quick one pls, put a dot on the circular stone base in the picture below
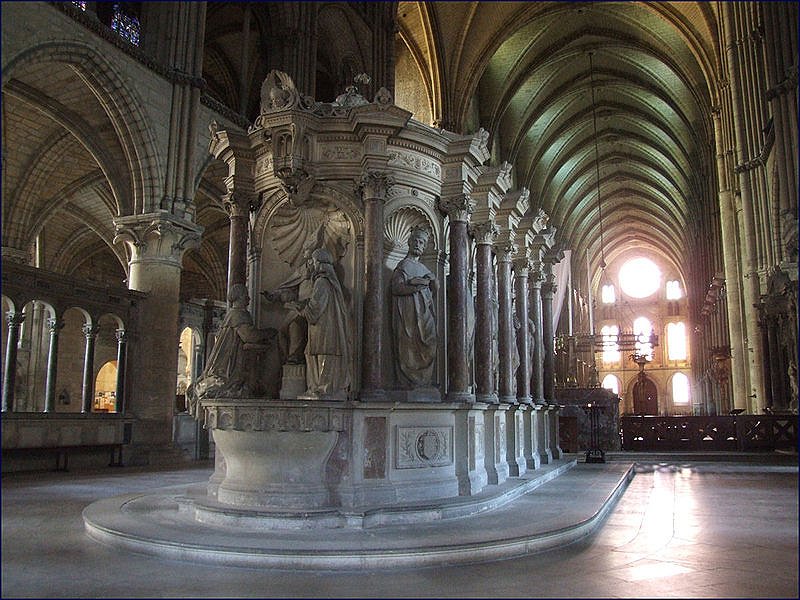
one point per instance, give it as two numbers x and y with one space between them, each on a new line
517 517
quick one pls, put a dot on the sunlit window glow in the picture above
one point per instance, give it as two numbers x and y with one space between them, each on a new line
680 389
609 295
674 291
676 341
610 382
639 277
642 330
610 346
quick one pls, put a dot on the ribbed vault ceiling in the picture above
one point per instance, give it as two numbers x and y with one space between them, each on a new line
527 68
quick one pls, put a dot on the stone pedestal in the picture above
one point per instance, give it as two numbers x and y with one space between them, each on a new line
470 466
532 458
495 443
515 436
293 382
542 435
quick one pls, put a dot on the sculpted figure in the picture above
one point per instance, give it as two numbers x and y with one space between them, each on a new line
327 350
413 315
297 287
225 374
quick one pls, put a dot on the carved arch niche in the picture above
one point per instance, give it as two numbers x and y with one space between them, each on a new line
403 212
283 230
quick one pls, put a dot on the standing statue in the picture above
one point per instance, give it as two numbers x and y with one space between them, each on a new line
327 349
413 315
297 287
225 374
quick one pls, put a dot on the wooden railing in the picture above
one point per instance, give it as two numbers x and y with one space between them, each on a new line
740 432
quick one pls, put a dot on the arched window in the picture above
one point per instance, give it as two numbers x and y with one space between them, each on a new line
610 345
680 389
676 341
105 388
642 330
609 294
674 291
611 382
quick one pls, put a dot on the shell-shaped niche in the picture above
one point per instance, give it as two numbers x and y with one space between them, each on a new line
292 229
397 228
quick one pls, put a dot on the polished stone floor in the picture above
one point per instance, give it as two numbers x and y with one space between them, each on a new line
682 529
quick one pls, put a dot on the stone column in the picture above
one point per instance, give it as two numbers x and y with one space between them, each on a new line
122 353
156 243
521 267
485 234
505 326
535 284
374 185
53 326
549 361
237 205
458 209
87 395
14 321
554 443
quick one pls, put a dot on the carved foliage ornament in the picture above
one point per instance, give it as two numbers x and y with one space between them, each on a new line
375 184
415 162
484 233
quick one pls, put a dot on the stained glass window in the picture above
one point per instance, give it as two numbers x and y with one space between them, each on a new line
680 389
125 25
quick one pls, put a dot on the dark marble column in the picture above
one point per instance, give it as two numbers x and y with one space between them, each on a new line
485 234
14 321
549 362
458 209
122 355
373 185
521 267
87 395
537 379
53 326
505 333
238 207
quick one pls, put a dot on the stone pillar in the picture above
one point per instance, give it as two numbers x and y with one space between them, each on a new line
122 353
14 321
485 234
374 185
156 243
237 205
521 268
535 283
469 434
87 395
549 360
458 209
53 326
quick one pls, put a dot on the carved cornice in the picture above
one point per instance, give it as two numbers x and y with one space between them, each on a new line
485 232
415 163
253 415
374 185
457 208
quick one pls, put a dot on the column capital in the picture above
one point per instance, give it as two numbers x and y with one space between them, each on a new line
522 265
90 330
457 208
374 185
54 325
121 335
157 237
505 251
485 233
240 204
15 319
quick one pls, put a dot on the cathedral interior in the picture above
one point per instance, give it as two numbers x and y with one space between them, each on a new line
600 200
